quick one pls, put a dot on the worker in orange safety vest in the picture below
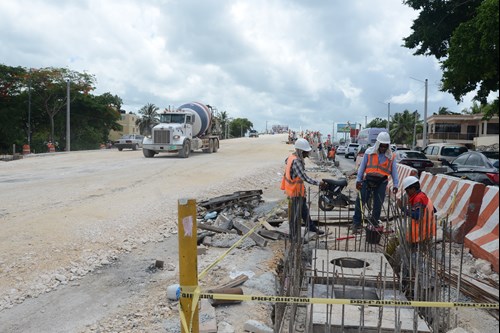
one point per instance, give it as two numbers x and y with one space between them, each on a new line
378 164
421 211
293 182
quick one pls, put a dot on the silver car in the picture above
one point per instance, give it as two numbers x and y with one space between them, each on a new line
130 141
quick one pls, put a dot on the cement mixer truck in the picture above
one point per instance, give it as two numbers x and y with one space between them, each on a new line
192 126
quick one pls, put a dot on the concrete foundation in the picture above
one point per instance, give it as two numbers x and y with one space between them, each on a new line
357 275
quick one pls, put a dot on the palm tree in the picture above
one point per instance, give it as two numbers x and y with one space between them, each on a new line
402 126
223 120
150 118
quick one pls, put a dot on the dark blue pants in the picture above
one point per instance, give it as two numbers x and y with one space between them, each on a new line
378 200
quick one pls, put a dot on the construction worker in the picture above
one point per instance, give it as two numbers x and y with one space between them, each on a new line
293 182
331 154
377 166
421 211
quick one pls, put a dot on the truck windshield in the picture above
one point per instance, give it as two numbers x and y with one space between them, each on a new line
177 118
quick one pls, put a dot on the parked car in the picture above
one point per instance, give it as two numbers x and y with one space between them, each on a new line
475 166
341 150
438 152
493 156
413 158
352 148
253 134
130 141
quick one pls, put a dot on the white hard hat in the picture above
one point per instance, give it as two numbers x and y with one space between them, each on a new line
409 181
383 137
302 144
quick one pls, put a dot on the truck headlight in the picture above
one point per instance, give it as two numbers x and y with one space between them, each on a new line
177 137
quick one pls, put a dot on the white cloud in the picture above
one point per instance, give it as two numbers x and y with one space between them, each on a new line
303 64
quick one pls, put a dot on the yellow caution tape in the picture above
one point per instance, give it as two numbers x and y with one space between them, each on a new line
340 301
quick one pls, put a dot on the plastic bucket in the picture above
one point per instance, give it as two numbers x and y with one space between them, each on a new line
174 292
373 234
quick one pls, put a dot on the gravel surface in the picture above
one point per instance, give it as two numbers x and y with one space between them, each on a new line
81 229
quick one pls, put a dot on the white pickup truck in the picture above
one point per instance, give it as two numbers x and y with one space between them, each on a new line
352 148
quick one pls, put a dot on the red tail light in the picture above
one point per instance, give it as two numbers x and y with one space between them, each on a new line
493 177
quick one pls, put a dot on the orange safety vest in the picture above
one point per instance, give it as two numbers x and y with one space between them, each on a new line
373 165
292 187
425 227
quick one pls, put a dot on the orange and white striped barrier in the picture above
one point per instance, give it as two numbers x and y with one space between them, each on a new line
403 172
455 198
482 240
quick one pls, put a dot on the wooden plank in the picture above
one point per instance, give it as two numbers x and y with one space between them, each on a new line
266 225
212 228
271 234
240 279
209 322
244 229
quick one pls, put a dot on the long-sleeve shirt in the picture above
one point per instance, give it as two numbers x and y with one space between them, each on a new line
298 170
382 158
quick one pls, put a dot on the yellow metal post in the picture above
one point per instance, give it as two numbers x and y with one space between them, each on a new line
188 262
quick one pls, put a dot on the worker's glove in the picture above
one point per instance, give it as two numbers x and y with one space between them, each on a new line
359 185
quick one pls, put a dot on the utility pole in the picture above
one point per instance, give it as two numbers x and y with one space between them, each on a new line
388 116
424 134
29 110
68 143
366 121
414 141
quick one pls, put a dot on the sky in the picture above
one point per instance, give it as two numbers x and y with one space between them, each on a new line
305 64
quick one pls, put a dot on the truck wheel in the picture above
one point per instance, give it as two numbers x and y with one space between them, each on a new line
120 149
216 145
135 147
186 149
148 153
210 149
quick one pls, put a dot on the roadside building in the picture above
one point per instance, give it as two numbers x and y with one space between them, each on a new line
468 129
127 120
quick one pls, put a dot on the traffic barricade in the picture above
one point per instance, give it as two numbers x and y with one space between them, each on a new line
403 172
26 149
457 200
482 240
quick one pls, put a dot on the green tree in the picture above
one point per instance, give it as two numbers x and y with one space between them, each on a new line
49 85
224 119
13 110
403 126
150 118
27 94
377 123
464 36
239 127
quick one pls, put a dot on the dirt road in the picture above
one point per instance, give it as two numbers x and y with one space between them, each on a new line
67 218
